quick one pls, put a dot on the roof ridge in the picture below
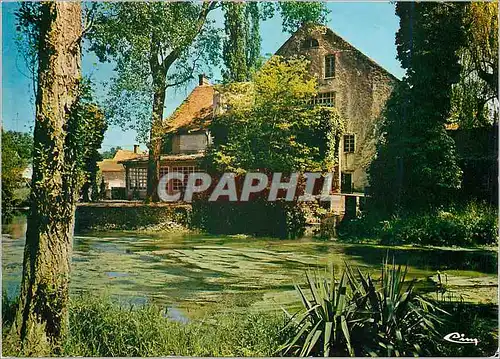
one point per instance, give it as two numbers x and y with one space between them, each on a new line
305 26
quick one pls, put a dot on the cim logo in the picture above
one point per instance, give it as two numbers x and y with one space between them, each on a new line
460 339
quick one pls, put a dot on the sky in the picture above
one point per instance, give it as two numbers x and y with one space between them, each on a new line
369 26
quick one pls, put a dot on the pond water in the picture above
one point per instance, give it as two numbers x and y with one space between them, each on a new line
189 273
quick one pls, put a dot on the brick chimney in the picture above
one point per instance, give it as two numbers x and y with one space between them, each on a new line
136 149
202 80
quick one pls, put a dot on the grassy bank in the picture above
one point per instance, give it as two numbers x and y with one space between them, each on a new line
102 327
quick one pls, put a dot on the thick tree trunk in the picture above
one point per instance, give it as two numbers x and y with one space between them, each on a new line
42 316
85 191
157 131
155 146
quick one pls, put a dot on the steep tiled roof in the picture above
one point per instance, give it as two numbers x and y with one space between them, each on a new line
121 155
195 112
112 165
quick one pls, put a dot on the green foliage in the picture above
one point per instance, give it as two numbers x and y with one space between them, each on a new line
470 97
477 321
242 45
397 321
416 165
297 13
28 17
258 217
474 97
469 225
101 327
155 46
238 33
108 154
358 316
481 21
270 123
322 328
17 150
92 126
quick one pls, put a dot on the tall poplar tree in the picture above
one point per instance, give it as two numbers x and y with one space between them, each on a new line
242 44
416 166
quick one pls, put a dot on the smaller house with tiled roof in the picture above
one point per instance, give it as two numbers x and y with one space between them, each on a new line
185 141
113 172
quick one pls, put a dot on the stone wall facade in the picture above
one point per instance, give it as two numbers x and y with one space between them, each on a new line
361 88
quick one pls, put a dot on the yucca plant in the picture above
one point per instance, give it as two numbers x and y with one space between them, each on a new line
360 316
322 329
391 318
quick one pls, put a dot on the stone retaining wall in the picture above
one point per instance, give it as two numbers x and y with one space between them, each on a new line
129 215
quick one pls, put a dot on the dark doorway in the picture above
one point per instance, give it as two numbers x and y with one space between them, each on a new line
346 185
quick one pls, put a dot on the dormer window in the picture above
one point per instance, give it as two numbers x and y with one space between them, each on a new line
310 43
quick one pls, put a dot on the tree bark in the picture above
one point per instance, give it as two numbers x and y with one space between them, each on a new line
159 72
156 141
85 191
42 315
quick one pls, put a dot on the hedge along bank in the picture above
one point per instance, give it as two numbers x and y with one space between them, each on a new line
237 188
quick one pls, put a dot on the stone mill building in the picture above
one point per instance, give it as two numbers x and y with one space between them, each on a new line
352 82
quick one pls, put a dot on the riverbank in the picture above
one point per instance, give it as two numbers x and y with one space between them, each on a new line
133 216
470 224
102 327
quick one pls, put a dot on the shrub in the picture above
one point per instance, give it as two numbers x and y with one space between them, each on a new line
322 328
466 225
358 316
367 226
470 225
257 217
